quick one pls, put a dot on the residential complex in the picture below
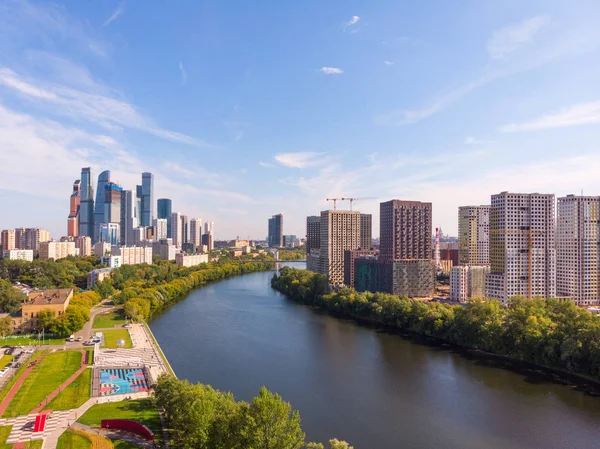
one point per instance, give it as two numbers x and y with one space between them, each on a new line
411 278
577 245
340 231
349 258
405 230
522 251
18 254
190 260
366 231
133 255
474 235
467 282
57 250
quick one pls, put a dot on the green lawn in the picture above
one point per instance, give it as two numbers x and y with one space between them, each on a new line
26 341
47 375
23 367
140 410
4 433
74 395
112 337
5 360
70 440
108 320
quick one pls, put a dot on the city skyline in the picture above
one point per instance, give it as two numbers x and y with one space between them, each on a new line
506 99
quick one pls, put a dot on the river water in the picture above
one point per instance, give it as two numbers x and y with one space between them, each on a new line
375 390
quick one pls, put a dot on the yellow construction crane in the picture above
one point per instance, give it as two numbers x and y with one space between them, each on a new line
530 233
335 200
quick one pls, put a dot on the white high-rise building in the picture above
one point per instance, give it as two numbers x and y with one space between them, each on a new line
577 240
474 235
196 231
160 224
340 231
522 252
57 250
176 229
467 282
133 255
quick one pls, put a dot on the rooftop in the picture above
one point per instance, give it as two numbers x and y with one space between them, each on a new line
50 296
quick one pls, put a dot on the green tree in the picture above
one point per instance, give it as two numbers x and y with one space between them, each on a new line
5 326
105 288
11 298
46 319
138 309
76 317
270 423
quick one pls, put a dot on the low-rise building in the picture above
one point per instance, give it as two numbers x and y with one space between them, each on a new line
111 261
235 253
52 300
190 260
19 254
97 275
165 249
57 250
412 278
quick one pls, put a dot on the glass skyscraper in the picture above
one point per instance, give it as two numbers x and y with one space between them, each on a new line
86 205
147 199
99 218
129 217
164 208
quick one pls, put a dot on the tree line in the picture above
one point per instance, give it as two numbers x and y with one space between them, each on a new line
201 417
548 332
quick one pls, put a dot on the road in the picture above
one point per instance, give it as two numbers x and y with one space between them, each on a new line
102 307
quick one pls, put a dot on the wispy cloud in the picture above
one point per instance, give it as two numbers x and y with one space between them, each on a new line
353 21
114 16
94 106
470 140
299 160
508 40
575 115
183 73
331 70
266 164
388 62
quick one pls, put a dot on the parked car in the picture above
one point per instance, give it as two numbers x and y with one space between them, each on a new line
79 339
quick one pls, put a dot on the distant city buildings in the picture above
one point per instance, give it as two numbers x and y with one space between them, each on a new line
190 260
467 282
177 229
147 197
133 255
86 203
522 246
313 233
276 231
411 278
23 238
350 257
160 226
57 250
196 232
366 231
18 254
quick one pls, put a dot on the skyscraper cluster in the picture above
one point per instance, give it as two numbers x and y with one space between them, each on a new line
107 213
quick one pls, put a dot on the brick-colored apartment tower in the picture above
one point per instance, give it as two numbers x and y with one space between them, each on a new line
405 230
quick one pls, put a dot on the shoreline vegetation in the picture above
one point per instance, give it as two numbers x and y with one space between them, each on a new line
547 335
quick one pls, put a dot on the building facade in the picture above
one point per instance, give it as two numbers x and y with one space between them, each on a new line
191 260
176 229
164 209
84 244
349 258
19 254
9 239
129 217
147 215
276 231
577 245
57 250
406 278
405 230
86 203
474 235
366 231
313 233
133 255
160 226
340 231
522 251
73 219
99 209
110 233
467 282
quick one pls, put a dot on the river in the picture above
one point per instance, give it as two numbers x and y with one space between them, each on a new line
373 389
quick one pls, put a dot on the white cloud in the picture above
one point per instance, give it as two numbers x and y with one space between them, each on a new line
183 73
579 114
95 106
266 164
470 140
508 40
299 160
331 70
114 16
353 21
388 62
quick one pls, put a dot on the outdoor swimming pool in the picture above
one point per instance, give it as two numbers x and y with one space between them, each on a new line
122 381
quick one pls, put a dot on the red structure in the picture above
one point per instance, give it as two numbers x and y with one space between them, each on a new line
128 425
40 421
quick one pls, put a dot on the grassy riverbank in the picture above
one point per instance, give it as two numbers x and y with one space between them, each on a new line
543 332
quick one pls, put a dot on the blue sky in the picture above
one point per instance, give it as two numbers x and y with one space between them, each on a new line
247 109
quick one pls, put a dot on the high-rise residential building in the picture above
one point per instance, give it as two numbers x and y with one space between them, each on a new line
412 278
73 219
468 282
110 233
164 209
276 231
160 225
84 244
207 240
405 230
129 217
86 203
147 197
196 231
133 255
577 249
340 231
350 257
522 253
366 231
185 237
9 239
313 233
35 236
57 250
176 229
474 235
99 209
21 238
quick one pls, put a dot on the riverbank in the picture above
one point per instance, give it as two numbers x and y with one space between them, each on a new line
549 334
